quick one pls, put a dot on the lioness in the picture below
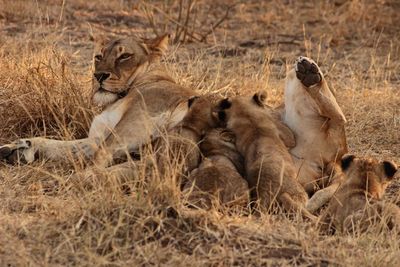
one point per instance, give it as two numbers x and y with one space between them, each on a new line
219 174
138 98
312 113
356 203
261 139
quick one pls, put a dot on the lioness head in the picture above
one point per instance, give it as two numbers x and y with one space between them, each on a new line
369 173
119 63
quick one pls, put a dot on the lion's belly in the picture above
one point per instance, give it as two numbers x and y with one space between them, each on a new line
314 144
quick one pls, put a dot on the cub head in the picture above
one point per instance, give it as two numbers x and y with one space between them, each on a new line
222 142
235 106
200 114
119 62
217 140
373 175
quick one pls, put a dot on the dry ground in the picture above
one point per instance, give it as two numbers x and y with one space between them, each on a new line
47 218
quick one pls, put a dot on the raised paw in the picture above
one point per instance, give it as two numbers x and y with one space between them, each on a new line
19 151
307 71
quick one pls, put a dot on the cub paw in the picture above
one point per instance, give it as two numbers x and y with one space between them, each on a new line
307 71
19 151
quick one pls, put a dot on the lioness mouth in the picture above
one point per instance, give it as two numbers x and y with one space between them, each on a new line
119 94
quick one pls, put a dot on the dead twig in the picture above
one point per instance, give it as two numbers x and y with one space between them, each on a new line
218 23
179 24
184 19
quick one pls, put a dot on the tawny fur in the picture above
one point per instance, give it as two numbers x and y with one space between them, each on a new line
357 203
269 166
218 175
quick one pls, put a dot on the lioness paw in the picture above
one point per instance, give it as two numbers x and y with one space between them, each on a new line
307 72
19 151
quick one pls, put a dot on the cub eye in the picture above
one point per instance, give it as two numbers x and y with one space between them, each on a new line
98 57
125 56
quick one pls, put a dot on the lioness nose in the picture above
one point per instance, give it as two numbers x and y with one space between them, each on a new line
101 76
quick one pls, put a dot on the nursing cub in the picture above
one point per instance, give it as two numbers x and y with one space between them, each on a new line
179 146
219 175
356 205
261 139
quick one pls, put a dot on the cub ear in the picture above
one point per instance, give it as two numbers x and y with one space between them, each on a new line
389 168
159 45
225 103
346 161
260 98
191 100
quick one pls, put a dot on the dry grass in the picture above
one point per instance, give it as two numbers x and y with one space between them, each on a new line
48 217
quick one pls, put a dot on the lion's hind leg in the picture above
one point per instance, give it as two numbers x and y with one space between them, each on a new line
321 197
311 77
289 204
330 182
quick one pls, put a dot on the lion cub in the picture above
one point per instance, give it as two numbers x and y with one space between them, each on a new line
219 173
356 204
180 144
261 139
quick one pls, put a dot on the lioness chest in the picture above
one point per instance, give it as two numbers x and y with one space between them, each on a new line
140 113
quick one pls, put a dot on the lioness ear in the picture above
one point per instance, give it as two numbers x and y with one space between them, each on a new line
100 40
225 103
346 161
260 98
159 45
191 100
389 168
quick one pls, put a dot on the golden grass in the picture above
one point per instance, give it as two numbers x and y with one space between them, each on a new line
49 217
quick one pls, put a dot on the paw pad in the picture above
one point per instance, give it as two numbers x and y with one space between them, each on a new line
307 72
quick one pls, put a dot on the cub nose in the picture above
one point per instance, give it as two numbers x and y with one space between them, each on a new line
101 76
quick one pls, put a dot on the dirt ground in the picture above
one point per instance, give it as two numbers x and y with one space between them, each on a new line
224 47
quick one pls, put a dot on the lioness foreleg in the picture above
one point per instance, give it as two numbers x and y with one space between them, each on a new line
28 150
